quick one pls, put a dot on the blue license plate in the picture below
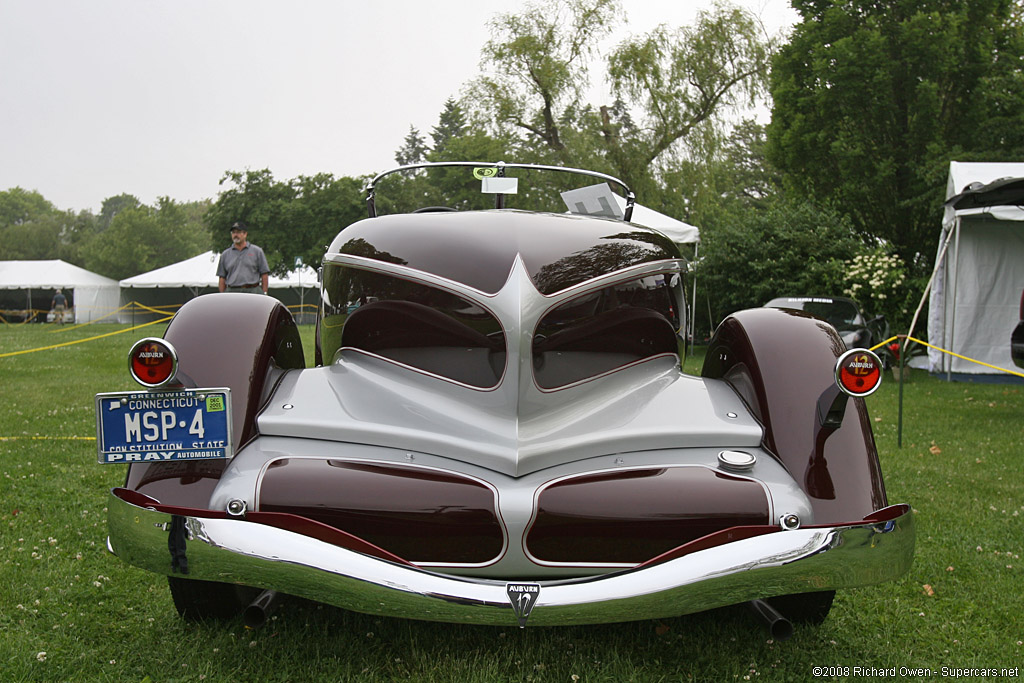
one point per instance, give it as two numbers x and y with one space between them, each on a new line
163 426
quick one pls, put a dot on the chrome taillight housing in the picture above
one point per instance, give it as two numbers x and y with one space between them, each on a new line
859 372
153 362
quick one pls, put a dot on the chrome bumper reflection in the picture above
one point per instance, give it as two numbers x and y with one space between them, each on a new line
237 551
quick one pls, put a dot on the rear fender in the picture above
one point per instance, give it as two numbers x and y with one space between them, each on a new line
782 363
222 340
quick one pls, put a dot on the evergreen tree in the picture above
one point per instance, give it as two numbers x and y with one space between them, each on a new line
413 150
451 124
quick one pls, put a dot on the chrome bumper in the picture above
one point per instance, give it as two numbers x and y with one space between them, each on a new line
237 551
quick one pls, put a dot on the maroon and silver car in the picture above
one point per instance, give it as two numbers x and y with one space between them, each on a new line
497 430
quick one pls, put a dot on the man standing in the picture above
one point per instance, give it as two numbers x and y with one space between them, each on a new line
243 266
59 305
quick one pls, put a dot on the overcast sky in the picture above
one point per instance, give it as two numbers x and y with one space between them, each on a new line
155 98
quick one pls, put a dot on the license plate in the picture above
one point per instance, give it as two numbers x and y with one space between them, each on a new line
163 426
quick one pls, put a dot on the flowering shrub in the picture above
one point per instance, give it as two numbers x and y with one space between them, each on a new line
878 281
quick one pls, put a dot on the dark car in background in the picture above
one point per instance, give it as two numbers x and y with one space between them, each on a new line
856 330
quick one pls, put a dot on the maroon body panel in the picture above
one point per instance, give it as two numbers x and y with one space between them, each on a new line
425 516
636 515
781 362
222 340
558 250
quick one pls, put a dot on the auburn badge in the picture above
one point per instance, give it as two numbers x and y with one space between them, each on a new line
523 597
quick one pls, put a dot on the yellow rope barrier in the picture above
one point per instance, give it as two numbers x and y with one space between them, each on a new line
951 353
75 327
79 341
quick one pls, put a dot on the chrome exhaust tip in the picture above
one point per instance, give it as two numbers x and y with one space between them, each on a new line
259 610
779 626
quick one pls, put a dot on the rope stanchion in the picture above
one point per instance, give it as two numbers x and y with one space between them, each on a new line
905 340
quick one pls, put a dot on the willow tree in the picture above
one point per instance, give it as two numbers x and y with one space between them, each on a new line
665 84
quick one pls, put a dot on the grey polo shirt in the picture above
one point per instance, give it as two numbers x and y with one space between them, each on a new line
241 267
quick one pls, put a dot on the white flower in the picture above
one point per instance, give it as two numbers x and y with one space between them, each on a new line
41 656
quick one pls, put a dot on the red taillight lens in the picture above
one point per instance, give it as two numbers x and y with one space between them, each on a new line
859 372
152 362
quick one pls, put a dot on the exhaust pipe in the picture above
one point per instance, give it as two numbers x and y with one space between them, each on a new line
259 610
778 626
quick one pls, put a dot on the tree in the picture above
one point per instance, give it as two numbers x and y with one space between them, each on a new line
676 80
293 221
19 206
141 238
33 240
412 150
873 98
30 226
685 78
115 205
539 62
785 249
721 174
451 124
78 231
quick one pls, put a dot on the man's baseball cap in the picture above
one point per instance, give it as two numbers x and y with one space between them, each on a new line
238 225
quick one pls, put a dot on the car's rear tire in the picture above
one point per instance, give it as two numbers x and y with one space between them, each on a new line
804 608
209 600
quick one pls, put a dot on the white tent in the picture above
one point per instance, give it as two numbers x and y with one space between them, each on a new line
975 297
198 275
599 200
92 296
201 271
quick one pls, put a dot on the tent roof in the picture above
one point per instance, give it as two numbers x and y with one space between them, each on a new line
963 173
967 178
51 274
597 200
201 271
673 228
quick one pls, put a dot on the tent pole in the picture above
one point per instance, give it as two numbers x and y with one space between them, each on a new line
945 296
940 263
956 281
693 308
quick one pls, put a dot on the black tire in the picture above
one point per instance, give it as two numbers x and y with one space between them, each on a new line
208 600
804 608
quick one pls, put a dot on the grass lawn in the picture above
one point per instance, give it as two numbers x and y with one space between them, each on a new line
69 611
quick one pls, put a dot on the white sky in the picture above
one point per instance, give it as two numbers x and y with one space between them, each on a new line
156 98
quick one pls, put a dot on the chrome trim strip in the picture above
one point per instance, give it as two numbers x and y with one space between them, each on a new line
806 559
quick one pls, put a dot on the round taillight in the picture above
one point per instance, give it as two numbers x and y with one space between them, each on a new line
858 372
152 362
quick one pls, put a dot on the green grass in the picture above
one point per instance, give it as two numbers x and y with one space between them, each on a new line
98 619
